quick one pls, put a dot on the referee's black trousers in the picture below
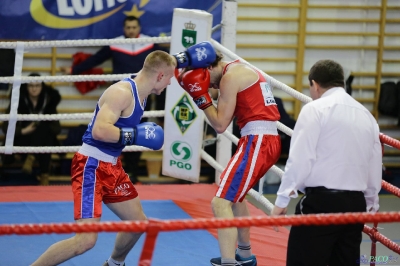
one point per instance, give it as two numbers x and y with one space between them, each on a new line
333 245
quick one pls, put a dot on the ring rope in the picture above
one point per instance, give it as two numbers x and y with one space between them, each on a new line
274 83
66 78
74 43
202 223
390 188
64 149
87 42
206 223
389 141
50 117
376 236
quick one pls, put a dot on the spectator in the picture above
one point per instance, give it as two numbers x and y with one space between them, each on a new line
126 59
287 121
7 67
36 98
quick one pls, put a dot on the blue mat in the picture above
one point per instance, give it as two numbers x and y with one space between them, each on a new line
187 247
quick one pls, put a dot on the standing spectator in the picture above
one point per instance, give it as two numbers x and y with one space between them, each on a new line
7 66
36 98
287 121
335 158
126 59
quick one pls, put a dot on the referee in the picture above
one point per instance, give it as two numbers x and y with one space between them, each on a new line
335 158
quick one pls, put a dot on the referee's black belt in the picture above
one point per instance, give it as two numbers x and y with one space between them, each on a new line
324 190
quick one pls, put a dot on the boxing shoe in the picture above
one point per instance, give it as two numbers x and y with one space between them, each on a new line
106 264
240 261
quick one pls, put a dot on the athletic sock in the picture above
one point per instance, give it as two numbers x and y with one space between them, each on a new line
228 262
112 262
244 250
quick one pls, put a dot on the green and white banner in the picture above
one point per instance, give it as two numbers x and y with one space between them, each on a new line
183 122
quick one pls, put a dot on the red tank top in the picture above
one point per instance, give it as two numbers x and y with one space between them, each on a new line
255 102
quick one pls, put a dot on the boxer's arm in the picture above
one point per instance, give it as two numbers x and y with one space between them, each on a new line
112 103
221 116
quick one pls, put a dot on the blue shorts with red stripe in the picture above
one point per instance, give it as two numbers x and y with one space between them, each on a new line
94 182
254 156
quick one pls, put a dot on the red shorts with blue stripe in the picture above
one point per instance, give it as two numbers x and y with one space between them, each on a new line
94 182
254 156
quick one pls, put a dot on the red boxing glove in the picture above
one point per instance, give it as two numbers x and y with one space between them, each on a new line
196 82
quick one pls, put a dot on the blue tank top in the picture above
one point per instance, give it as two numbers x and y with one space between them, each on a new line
115 149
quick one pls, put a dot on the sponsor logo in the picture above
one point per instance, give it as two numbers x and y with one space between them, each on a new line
122 189
127 137
181 57
68 12
267 94
244 262
200 101
189 34
183 113
377 260
201 53
194 87
150 132
181 151
269 101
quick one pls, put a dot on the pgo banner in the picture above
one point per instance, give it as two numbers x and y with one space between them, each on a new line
183 120
92 19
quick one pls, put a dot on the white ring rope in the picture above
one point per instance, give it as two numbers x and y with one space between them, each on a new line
274 83
73 43
67 78
50 117
96 42
63 149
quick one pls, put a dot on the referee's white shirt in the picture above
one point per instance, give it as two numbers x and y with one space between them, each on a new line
335 144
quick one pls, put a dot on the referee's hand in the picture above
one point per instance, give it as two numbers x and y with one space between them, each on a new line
278 211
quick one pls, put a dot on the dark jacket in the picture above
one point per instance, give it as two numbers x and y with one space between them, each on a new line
48 101
125 58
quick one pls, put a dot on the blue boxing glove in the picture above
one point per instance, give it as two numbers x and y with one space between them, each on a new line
146 134
200 55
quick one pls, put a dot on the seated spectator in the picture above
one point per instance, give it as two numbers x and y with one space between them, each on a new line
36 98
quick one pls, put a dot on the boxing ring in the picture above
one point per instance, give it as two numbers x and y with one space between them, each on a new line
268 245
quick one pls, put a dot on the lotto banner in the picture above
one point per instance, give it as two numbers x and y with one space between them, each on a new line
183 120
91 19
